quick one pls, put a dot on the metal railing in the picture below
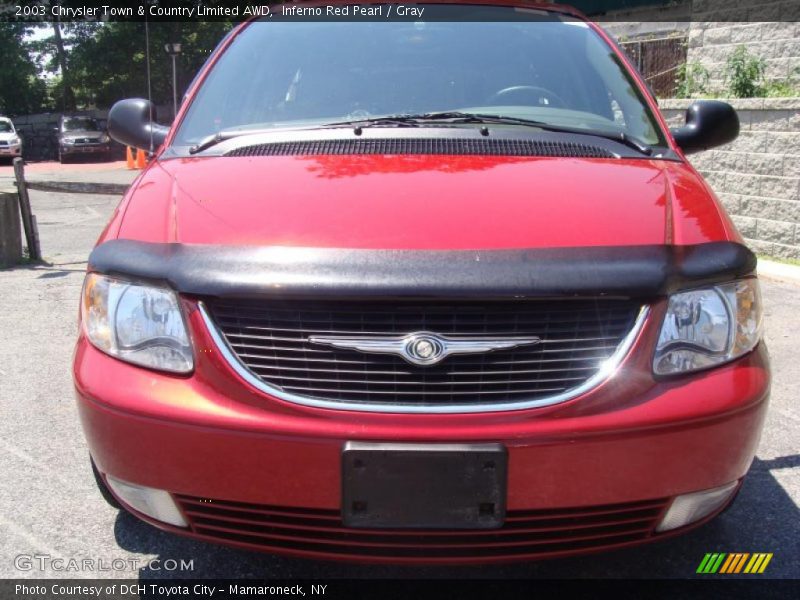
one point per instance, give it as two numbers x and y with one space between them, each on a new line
70 187
659 61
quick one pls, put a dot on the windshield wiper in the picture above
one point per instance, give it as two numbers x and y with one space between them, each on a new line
221 136
617 136
404 120
458 117
392 120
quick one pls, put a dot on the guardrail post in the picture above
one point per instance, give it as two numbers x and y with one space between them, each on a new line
28 220
10 234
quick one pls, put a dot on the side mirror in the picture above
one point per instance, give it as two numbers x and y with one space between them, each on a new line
709 123
131 122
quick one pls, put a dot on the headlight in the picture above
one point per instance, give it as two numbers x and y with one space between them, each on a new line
137 323
14 141
104 139
708 327
68 140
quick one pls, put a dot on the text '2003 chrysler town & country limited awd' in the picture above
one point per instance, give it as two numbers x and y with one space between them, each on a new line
440 291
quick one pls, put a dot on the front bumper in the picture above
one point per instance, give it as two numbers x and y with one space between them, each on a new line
595 472
75 149
11 150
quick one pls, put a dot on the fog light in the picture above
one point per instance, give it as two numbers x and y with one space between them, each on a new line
690 508
156 504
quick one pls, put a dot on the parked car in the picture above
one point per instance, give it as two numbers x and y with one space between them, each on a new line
81 135
443 289
10 142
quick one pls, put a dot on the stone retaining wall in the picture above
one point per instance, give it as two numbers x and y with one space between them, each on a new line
777 43
757 177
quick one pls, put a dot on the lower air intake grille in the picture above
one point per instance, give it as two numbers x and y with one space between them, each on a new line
525 534
445 146
271 339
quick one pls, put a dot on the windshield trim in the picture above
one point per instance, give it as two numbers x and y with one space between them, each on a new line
437 131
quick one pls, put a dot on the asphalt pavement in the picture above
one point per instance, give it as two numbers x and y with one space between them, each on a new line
49 505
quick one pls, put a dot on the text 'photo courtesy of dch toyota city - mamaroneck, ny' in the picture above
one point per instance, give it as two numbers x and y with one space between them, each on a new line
457 298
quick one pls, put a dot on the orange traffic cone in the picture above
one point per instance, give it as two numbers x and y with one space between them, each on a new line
141 159
129 158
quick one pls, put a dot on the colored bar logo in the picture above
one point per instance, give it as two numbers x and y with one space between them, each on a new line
735 562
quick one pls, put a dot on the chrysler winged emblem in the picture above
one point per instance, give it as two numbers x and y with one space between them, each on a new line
422 348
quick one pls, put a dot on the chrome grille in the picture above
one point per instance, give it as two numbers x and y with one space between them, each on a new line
270 339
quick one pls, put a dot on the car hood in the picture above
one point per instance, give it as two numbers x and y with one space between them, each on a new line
422 202
5 136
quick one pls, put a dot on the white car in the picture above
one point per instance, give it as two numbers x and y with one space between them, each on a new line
10 142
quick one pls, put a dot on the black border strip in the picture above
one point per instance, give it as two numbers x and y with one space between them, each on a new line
153 585
602 11
252 271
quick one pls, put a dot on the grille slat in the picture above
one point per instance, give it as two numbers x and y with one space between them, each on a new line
429 382
305 349
302 339
270 338
505 541
525 533
547 525
339 361
374 372
410 393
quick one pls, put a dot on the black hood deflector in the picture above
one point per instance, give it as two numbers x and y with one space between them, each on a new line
257 272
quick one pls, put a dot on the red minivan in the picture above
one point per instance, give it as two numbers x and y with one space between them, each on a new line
431 287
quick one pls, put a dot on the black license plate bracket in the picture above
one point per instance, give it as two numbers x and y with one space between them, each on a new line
426 486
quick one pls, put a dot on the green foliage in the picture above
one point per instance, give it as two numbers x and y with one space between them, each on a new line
784 88
111 64
692 80
744 74
90 64
55 54
780 89
21 90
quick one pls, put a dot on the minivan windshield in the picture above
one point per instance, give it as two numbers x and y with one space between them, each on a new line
531 65
5 126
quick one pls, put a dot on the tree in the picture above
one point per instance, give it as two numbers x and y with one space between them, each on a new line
110 63
94 64
68 98
57 49
21 90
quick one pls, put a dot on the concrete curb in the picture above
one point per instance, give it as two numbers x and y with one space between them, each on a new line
769 269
